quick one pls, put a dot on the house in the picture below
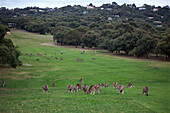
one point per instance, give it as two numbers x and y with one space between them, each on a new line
90 7
102 8
15 16
10 25
33 10
110 19
24 15
85 12
155 9
157 22
41 11
158 25
116 16
109 9
141 8
150 18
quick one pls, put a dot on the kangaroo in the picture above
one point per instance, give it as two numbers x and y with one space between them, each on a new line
3 83
45 88
101 84
85 88
130 85
94 88
115 84
76 88
107 85
69 88
81 80
79 86
121 89
145 91
53 84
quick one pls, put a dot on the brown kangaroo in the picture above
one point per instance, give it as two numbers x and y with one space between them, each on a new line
130 85
75 88
45 88
69 88
145 91
85 88
94 88
115 84
79 86
81 80
107 85
3 83
121 89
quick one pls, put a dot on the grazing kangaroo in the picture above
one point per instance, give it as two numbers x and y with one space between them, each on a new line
115 84
94 88
107 85
101 84
76 88
3 83
53 84
69 88
121 89
45 88
85 88
81 80
145 91
130 85
79 86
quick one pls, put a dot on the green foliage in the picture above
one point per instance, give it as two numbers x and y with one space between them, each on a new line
9 54
89 39
145 46
128 24
2 31
164 46
72 37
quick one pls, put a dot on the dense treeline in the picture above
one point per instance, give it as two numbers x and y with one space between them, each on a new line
135 30
9 54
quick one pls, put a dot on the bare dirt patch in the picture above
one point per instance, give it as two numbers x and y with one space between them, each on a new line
27 64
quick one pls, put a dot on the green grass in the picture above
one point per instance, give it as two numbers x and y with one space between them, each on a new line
23 92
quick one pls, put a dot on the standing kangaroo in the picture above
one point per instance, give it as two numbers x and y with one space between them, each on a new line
69 88
81 80
3 83
115 84
121 89
85 88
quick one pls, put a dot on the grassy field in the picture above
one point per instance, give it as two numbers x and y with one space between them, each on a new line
23 92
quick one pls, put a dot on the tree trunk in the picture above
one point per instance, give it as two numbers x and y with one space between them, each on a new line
148 55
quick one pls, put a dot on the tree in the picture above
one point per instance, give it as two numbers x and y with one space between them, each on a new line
145 46
72 37
9 54
89 39
164 46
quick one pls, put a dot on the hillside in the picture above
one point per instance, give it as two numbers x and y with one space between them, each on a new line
23 91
